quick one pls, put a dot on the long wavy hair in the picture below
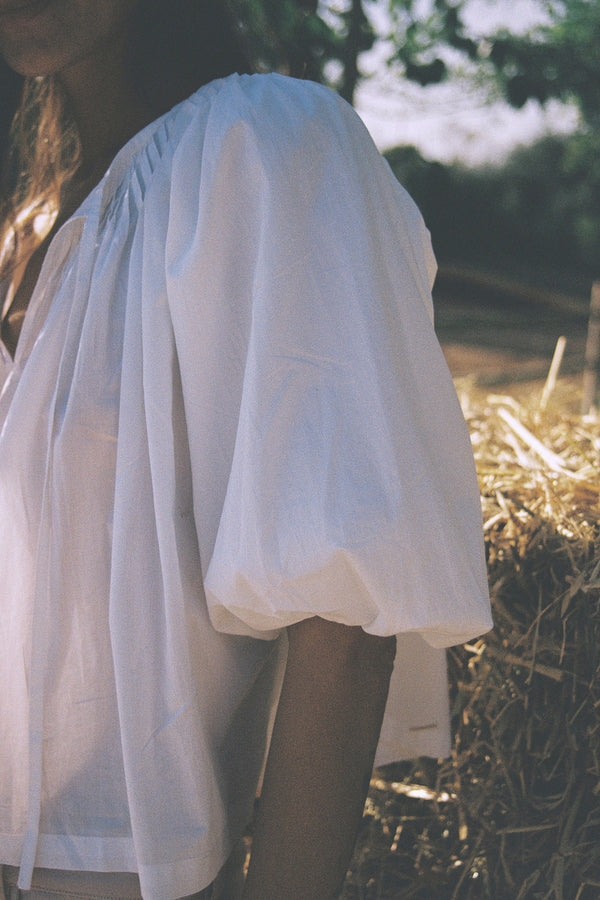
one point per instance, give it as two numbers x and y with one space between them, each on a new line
175 47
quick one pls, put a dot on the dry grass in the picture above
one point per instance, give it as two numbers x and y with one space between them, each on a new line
515 813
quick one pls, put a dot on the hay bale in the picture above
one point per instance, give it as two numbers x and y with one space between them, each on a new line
515 813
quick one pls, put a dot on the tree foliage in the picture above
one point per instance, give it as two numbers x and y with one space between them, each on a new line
423 38
538 211
559 58
293 37
286 35
355 35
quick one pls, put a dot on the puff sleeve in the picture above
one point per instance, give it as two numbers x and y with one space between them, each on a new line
346 486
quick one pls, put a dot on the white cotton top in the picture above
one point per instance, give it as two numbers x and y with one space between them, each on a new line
228 411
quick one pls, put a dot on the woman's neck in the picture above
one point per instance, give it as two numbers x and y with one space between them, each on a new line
106 108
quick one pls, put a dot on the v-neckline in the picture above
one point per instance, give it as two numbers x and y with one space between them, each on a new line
99 196
96 201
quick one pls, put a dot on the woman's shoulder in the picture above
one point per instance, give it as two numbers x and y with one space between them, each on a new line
272 110
272 126
268 95
270 119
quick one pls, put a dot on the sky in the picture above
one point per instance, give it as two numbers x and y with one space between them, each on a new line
455 121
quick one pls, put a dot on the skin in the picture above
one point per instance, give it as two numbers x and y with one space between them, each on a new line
83 44
320 762
337 677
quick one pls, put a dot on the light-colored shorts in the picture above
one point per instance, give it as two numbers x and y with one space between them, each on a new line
53 884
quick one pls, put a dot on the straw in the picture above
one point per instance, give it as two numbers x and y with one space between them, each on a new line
515 813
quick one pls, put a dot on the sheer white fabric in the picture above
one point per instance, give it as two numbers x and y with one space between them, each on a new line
228 411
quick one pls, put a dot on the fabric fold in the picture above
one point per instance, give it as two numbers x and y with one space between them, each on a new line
232 413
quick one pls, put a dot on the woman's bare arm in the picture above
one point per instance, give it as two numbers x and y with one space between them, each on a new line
320 761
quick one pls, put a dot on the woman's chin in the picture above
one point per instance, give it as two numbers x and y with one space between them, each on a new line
13 12
28 36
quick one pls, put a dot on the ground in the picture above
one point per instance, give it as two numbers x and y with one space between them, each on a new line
499 335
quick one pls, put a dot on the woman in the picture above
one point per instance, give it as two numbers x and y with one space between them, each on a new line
226 422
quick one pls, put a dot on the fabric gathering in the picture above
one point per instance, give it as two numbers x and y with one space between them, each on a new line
229 387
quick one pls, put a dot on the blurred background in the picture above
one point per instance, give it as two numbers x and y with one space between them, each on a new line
488 112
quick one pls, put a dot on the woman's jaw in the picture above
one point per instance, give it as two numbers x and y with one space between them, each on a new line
27 8
45 37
